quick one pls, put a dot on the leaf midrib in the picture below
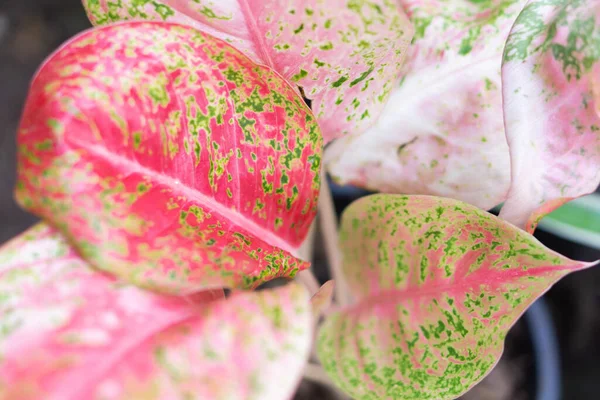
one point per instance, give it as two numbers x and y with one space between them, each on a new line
434 290
236 218
259 42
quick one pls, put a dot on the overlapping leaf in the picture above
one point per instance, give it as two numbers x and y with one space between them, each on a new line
439 283
169 158
551 78
70 332
346 55
442 130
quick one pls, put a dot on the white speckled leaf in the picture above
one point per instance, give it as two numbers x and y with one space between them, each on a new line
442 131
438 285
551 80
346 55
69 332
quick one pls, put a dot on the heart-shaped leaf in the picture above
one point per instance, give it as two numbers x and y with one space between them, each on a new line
169 158
346 55
70 332
439 283
442 131
551 80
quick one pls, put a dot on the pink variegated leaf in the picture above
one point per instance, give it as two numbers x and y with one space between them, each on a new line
345 55
169 158
442 132
438 284
70 333
551 78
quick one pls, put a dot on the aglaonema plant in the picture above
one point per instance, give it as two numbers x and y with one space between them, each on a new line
170 154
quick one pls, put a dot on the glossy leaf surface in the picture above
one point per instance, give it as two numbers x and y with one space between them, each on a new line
439 283
442 132
169 158
551 78
346 55
70 332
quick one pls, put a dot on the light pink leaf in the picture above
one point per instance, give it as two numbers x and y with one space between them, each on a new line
71 333
169 158
439 283
550 76
346 55
442 131
322 300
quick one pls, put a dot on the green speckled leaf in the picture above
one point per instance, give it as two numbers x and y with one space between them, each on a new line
346 55
438 284
551 85
169 158
441 132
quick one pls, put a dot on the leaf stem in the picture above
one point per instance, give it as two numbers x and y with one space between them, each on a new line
305 252
329 231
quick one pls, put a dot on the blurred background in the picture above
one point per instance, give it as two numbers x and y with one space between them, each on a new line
552 354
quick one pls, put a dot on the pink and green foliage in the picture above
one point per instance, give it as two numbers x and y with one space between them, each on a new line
442 131
551 78
176 155
70 332
169 158
438 284
345 55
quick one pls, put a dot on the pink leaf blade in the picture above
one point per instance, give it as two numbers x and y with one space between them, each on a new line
438 285
252 346
70 332
57 312
169 158
347 64
442 132
550 73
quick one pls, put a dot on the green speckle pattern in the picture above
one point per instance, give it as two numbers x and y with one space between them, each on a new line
438 284
551 83
149 145
428 139
358 53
